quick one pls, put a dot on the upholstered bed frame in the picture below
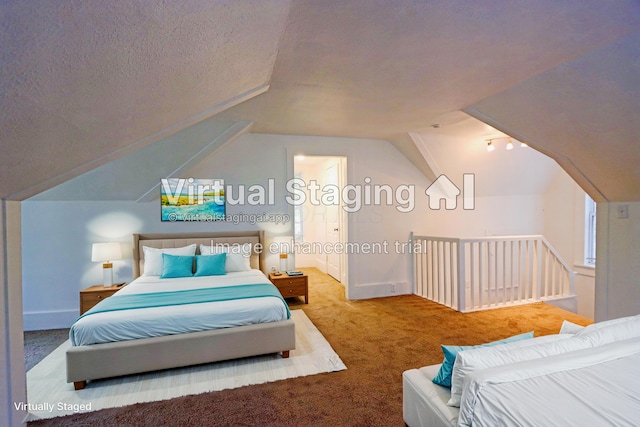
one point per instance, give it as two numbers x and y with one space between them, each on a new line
97 361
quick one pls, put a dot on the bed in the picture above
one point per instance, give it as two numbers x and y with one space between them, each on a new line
586 378
122 341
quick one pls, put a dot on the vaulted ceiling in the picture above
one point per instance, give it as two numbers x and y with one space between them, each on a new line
85 82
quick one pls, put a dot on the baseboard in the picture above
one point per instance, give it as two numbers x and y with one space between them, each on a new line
569 303
379 290
41 320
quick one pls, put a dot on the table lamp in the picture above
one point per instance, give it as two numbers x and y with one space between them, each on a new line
105 253
283 246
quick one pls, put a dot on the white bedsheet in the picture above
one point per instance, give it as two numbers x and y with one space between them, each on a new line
158 321
592 387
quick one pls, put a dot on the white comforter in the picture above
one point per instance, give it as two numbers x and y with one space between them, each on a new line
592 387
159 321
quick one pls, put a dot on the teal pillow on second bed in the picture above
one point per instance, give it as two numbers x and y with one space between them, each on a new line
451 351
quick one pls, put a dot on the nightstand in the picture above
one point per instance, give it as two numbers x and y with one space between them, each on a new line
94 294
292 286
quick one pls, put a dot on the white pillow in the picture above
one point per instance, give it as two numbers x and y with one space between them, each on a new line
472 360
570 328
607 323
206 249
611 331
594 335
238 255
153 257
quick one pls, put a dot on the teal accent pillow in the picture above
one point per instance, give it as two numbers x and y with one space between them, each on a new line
176 266
451 351
210 265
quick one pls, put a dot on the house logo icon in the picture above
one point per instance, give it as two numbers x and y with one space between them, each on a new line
444 189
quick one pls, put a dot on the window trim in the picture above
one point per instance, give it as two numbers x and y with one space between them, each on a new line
590 217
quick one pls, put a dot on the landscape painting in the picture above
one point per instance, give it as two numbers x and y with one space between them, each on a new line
191 199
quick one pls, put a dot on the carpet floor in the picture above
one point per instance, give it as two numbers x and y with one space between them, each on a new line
377 340
39 344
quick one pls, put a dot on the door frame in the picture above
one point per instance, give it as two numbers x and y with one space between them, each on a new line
345 219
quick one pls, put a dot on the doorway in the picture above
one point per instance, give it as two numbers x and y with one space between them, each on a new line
321 221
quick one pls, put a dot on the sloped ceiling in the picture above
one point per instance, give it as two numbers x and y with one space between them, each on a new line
137 175
585 114
517 172
82 80
374 68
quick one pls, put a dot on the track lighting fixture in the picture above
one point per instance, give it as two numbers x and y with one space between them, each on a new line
508 146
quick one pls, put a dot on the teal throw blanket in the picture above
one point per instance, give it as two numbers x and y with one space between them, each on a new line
189 296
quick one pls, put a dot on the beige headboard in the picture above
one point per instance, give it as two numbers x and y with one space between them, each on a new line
178 240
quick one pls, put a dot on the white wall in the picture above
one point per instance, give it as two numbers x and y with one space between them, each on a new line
56 241
618 265
585 289
492 216
558 214
12 374
272 156
564 227
57 236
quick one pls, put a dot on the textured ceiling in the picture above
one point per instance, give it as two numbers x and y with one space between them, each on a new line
585 114
376 68
82 79
82 82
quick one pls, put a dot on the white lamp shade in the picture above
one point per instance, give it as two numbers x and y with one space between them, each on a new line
102 252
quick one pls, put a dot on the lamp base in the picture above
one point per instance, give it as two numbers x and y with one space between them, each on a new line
284 262
107 275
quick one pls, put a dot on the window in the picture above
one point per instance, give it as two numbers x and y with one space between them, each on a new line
590 231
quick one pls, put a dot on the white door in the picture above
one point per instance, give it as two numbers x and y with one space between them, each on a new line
332 215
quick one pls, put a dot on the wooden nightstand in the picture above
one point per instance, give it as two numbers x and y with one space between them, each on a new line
94 294
292 286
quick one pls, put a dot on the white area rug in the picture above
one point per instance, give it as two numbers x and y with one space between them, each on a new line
49 395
